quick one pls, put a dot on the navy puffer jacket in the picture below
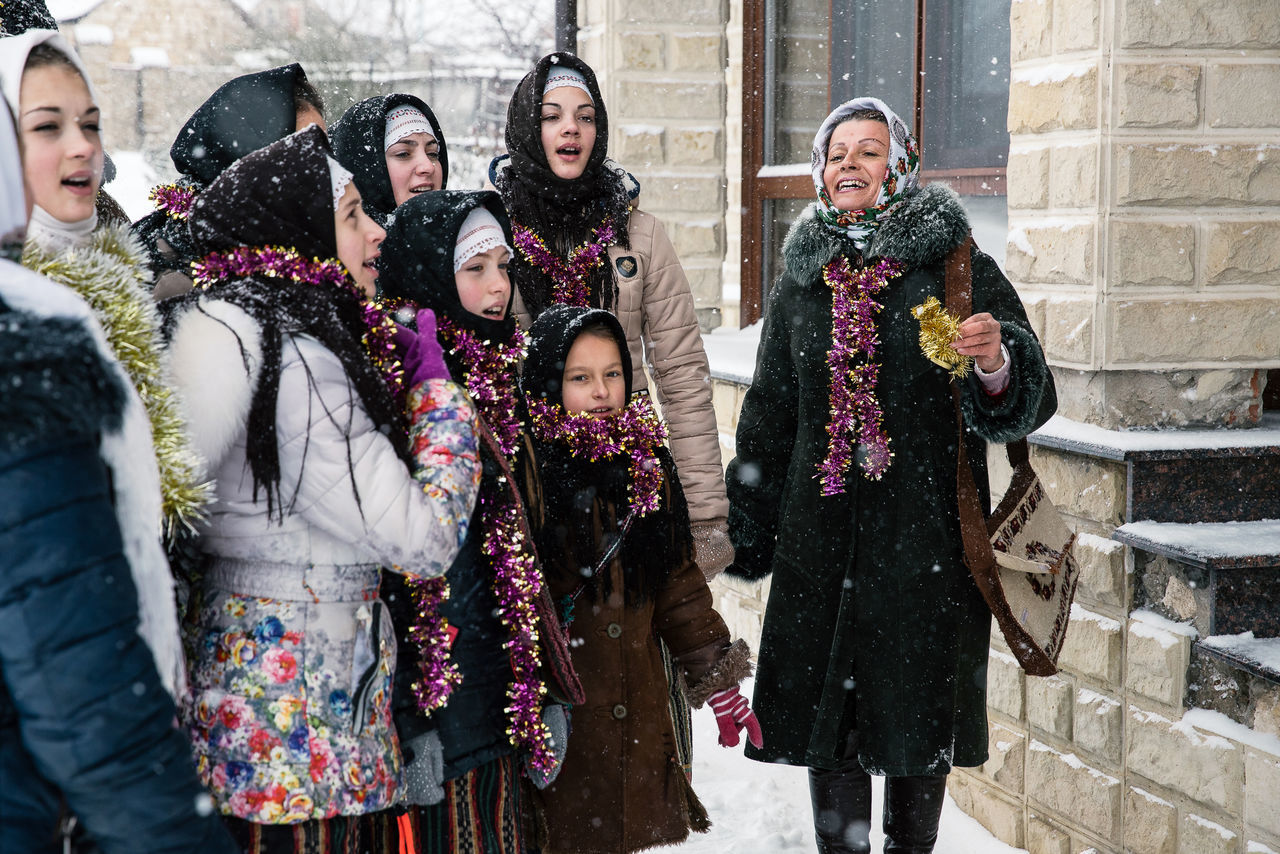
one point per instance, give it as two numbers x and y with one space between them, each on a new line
84 719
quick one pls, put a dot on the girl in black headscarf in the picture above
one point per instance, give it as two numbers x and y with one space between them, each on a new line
619 560
394 145
448 251
243 115
580 240
335 453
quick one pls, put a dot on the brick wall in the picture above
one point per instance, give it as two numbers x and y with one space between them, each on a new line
662 75
1144 203
1144 206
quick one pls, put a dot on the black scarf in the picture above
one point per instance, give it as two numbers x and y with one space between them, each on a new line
563 213
358 144
243 115
281 196
586 502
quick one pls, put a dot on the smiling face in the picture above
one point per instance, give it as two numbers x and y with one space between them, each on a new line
857 160
358 238
593 381
484 288
568 121
413 165
61 142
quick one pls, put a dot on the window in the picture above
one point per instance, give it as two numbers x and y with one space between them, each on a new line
803 57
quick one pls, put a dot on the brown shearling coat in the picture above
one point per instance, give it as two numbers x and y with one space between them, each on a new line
655 308
622 788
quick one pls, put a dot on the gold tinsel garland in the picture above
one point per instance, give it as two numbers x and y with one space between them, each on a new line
939 330
110 273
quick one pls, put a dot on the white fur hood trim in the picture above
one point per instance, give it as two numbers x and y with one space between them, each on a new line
216 354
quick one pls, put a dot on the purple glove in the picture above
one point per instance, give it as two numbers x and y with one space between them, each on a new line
424 358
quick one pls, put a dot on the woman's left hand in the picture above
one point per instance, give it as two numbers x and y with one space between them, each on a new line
980 338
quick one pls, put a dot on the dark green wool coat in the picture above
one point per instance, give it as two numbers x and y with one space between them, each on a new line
873 622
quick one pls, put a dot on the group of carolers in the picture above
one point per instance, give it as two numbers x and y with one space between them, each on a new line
438 560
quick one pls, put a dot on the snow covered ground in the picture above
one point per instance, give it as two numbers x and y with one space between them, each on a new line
764 809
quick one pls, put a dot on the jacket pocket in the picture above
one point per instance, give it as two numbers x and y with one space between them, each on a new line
371 664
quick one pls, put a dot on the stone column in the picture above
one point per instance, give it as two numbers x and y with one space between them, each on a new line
662 73
1144 203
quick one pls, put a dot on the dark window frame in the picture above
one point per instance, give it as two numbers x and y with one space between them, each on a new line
756 189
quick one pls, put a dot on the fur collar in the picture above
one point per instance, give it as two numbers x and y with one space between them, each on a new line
57 385
929 224
215 352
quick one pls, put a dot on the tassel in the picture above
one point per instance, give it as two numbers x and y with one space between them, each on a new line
938 331
404 826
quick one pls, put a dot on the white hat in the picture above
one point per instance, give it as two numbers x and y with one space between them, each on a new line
403 121
563 75
480 232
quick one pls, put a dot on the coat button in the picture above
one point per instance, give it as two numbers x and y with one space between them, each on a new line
619 711
614 630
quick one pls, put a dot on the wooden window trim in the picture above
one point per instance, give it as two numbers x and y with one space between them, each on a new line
756 189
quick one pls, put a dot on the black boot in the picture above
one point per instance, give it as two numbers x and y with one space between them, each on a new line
912 807
842 808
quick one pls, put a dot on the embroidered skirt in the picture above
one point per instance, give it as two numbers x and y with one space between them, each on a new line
482 813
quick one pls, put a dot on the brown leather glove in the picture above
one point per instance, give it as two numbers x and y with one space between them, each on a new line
711 545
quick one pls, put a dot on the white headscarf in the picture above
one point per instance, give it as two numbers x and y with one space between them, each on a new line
51 233
901 177
13 205
480 232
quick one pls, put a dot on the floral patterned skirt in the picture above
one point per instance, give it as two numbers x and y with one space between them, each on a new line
290 707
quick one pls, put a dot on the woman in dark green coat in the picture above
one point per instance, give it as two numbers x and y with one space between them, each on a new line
874 652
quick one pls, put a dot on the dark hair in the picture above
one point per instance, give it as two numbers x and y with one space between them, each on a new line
867 115
305 95
596 329
45 55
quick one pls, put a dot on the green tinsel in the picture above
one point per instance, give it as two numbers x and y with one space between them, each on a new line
110 272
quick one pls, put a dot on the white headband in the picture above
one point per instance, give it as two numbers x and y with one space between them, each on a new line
403 121
480 232
339 178
563 75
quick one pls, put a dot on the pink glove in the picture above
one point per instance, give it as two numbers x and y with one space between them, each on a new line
732 714
423 357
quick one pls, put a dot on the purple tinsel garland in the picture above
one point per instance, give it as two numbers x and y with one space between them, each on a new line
635 431
491 379
430 635
174 199
277 262
569 275
855 410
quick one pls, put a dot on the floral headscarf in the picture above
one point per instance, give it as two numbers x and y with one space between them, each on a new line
901 177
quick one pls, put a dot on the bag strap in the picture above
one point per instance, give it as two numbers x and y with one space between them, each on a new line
978 555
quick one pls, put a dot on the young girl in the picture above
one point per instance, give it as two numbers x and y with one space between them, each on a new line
396 149
448 251
243 115
619 561
84 698
60 126
563 195
333 456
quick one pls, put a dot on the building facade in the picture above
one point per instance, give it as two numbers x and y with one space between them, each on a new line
1122 159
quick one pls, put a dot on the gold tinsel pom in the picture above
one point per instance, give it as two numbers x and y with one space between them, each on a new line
110 273
938 331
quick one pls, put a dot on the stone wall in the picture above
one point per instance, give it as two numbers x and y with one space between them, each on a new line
1144 200
1144 203
662 74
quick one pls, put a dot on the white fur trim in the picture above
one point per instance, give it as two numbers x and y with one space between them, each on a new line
214 384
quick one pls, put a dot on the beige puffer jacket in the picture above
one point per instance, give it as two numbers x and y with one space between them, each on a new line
655 308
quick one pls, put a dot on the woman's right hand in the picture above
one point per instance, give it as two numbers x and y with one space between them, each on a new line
424 358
